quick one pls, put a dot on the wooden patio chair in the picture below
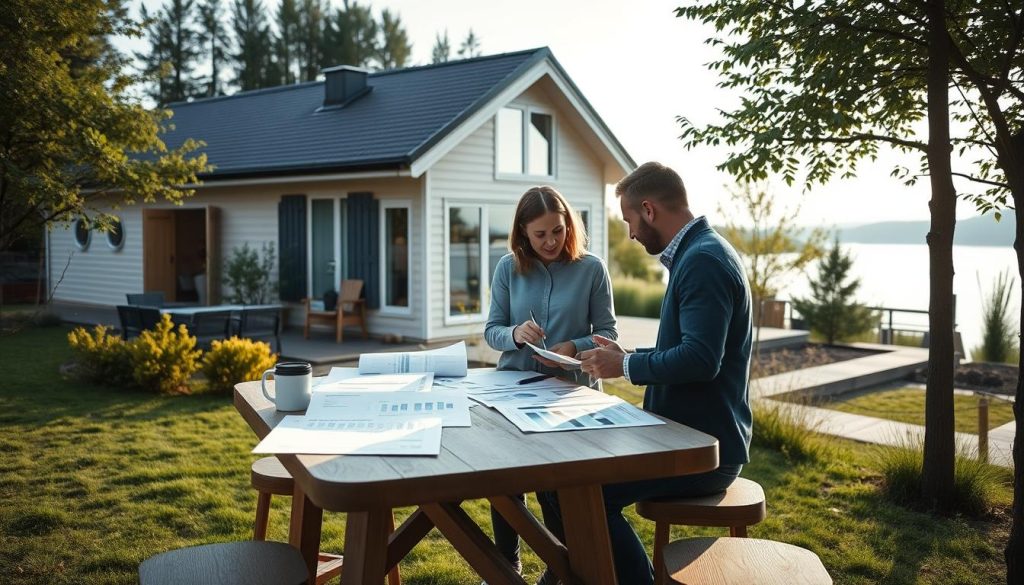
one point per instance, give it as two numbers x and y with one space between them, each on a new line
350 310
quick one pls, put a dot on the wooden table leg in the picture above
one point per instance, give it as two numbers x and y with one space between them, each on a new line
550 550
304 530
366 547
586 534
474 546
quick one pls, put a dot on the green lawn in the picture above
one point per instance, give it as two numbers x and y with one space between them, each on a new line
907 405
94 480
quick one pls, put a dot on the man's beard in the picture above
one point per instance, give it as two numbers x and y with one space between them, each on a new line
648 237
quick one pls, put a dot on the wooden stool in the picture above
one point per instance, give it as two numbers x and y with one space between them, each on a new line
269 477
739 506
229 563
751 561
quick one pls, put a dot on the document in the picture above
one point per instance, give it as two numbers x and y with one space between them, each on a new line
556 357
311 436
378 383
482 380
451 406
574 415
528 395
444 361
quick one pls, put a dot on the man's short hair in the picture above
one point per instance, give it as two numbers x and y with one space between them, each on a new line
655 181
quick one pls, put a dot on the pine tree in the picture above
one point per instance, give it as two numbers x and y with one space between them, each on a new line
214 38
442 49
254 44
351 37
155 66
287 46
470 47
832 311
183 48
310 39
395 49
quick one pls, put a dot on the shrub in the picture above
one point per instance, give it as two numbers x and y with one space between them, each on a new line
787 430
236 360
999 336
638 298
248 275
831 310
100 357
163 359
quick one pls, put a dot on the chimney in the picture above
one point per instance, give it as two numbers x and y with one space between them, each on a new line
344 84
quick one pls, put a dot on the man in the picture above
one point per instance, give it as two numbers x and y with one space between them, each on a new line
697 373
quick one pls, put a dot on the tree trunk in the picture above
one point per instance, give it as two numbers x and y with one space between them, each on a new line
939 443
1014 554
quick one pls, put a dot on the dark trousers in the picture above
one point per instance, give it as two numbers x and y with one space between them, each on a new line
507 540
632 565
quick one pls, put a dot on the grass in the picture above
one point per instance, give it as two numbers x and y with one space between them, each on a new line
94 480
907 405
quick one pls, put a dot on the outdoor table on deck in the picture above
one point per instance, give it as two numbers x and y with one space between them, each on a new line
492 459
190 311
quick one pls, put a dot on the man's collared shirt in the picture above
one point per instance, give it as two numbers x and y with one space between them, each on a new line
666 258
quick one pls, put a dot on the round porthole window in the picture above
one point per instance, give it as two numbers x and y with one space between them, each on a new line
82 233
115 237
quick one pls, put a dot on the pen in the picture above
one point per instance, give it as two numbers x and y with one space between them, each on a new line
534 379
534 319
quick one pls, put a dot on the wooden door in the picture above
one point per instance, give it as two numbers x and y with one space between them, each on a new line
213 255
158 261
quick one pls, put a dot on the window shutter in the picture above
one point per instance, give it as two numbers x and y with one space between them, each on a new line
291 230
364 244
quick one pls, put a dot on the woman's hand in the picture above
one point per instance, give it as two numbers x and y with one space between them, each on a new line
528 331
566 348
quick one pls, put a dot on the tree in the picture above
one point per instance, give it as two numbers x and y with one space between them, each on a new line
394 50
287 46
442 49
214 37
156 61
470 47
827 84
832 310
310 39
351 37
183 48
73 142
255 46
772 245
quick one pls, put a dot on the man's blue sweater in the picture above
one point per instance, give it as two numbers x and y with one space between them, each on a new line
697 374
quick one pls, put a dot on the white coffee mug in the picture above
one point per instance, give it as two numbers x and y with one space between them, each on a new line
293 384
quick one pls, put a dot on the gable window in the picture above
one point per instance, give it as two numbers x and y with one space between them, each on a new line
524 142
396 254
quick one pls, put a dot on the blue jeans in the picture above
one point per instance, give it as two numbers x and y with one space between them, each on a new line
632 565
507 540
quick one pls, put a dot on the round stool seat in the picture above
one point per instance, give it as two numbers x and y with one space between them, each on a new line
752 561
741 504
270 477
229 563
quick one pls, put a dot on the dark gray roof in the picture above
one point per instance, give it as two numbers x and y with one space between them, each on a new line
280 130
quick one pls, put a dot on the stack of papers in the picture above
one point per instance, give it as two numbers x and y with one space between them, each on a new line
444 361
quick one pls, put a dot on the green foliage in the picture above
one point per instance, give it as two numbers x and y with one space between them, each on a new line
351 37
395 49
248 275
768 239
254 62
628 258
100 357
638 298
73 132
442 50
174 51
235 360
999 335
163 359
213 35
470 47
787 430
831 311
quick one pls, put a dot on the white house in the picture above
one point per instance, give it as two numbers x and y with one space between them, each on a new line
406 179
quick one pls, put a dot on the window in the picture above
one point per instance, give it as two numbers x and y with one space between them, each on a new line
464 296
396 256
524 143
115 237
82 233
499 222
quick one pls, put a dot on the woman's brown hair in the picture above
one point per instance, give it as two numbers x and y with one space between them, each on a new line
533 204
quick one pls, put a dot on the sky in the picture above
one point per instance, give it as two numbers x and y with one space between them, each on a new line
641 67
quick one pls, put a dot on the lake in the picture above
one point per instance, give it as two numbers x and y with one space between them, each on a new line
896 275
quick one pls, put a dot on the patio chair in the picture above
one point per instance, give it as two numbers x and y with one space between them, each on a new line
146 299
752 561
350 310
226 563
211 325
135 319
260 324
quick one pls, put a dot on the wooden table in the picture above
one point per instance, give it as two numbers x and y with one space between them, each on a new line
492 460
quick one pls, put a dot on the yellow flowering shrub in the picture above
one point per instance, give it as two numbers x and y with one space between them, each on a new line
100 356
163 359
236 360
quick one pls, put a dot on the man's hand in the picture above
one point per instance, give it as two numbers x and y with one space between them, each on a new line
566 348
605 360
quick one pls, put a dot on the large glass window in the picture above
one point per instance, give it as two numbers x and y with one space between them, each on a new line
396 256
524 143
540 144
499 222
464 260
510 141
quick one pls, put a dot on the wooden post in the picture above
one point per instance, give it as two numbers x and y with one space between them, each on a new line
983 428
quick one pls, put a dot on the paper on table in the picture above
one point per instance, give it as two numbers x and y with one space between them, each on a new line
443 361
556 357
575 416
336 375
528 395
451 406
380 383
479 382
400 436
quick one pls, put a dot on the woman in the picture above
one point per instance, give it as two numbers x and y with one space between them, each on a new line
548 291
